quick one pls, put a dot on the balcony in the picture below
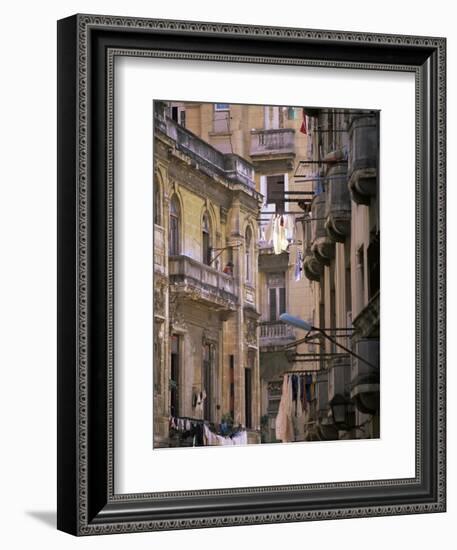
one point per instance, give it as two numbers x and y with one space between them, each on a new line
363 158
323 247
271 262
275 333
312 268
367 321
338 205
268 143
197 282
209 159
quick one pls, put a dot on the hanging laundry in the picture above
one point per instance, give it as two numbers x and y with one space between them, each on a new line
308 383
280 231
262 233
284 427
198 401
280 242
294 410
240 438
211 438
304 124
269 230
278 235
318 185
298 265
304 401
289 224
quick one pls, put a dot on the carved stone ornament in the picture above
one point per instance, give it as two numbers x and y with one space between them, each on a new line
160 295
250 331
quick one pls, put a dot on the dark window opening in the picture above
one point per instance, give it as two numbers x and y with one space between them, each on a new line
174 229
208 374
248 396
332 303
360 259
157 206
174 376
277 295
232 386
248 255
275 192
182 118
373 265
206 241
282 300
273 316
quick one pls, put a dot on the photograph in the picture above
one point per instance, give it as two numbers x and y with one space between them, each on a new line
266 276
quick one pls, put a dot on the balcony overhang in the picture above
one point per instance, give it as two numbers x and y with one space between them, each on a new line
312 268
338 204
323 249
270 262
272 144
194 281
363 158
338 225
274 335
365 393
367 321
363 185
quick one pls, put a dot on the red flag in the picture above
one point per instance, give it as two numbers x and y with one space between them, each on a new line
304 125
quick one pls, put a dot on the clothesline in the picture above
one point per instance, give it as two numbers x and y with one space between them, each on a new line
285 213
300 371
280 230
203 432
184 422
237 438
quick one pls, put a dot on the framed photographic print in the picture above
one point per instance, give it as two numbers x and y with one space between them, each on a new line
251 274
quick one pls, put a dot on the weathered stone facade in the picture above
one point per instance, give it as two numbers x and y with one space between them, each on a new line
204 318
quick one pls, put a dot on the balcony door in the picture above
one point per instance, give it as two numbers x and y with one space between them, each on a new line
175 375
276 295
206 240
271 116
174 228
208 378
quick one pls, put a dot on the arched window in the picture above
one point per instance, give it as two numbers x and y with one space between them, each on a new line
157 205
206 239
248 255
174 241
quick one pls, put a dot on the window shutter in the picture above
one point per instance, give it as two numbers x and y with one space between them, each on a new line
282 300
272 304
275 189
